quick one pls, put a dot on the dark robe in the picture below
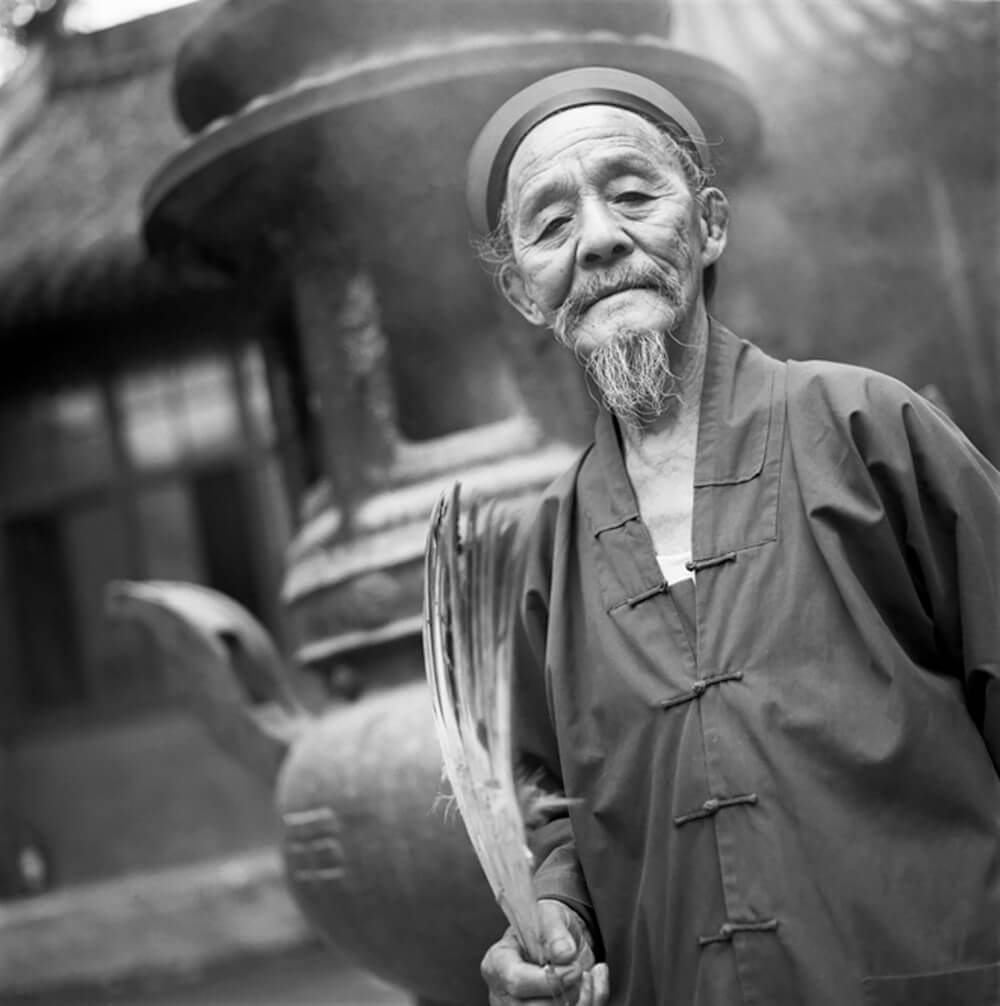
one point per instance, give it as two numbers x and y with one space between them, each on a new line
795 802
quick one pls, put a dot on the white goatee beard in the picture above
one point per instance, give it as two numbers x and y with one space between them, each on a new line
633 376
631 370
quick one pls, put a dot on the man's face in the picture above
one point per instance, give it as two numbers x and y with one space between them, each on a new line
606 232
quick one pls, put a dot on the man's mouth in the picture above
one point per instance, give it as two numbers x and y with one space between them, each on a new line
612 291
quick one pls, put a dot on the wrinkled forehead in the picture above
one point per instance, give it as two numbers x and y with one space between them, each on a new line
605 133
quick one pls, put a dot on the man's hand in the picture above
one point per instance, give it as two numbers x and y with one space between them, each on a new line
573 977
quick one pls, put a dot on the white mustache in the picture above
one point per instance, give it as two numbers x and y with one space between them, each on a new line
576 305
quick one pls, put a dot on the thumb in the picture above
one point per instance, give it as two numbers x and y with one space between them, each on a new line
557 931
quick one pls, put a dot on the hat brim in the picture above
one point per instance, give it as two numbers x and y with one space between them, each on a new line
496 145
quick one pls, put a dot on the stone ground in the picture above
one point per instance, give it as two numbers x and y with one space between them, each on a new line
312 976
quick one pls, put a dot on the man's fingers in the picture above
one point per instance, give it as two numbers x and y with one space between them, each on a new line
594 986
510 978
507 1001
586 989
571 977
559 940
601 984
563 933
532 982
501 999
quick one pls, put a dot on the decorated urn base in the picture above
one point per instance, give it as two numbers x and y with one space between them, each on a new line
376 858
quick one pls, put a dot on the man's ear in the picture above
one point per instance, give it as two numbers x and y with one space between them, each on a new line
512 285
714 224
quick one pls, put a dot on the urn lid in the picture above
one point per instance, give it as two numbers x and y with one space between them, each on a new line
250 48
393 130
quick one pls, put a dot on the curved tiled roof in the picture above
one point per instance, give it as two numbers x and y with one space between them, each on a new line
74 166
69 190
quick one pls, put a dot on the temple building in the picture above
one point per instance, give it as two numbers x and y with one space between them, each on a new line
136 440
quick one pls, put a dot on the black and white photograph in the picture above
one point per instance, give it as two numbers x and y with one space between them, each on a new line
500 502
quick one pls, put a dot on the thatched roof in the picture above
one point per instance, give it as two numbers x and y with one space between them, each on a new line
69 194
70 183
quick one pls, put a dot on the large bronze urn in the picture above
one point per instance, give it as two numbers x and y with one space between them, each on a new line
325 171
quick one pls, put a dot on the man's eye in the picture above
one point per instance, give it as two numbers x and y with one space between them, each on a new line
552 227
633 196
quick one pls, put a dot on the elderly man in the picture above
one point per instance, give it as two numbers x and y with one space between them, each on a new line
759 637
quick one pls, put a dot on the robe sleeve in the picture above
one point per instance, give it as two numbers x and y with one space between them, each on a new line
902 462
557 874
951 504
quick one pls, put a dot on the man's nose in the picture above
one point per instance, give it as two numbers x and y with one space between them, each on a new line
602 237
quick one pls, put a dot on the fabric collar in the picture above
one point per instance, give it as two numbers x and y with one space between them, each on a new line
733 426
